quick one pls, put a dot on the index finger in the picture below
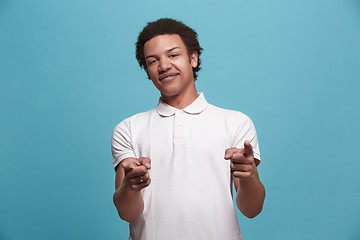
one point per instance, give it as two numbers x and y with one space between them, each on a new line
136 172
130 163
248 150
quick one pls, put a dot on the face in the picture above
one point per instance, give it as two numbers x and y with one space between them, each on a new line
169 65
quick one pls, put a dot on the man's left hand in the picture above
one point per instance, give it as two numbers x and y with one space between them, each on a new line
242 161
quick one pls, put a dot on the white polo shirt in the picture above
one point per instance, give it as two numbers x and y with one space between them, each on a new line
190 194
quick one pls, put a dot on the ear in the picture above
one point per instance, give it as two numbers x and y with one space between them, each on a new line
194 59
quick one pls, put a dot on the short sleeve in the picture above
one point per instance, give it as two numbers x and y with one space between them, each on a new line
246 131
121 146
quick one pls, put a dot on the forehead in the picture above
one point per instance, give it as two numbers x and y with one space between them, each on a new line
163 43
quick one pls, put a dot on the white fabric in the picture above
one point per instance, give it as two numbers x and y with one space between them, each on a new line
190 194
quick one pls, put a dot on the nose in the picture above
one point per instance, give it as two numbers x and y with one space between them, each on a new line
164 64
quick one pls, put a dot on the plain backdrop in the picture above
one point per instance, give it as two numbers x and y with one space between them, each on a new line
69 75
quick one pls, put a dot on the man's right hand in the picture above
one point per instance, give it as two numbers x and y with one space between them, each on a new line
131 176
136 173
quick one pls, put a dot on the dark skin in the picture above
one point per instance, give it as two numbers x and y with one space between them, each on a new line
131 177
250 191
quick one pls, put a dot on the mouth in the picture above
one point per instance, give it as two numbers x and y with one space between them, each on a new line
167 76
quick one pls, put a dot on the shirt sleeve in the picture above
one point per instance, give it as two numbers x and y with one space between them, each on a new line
121 145
246 131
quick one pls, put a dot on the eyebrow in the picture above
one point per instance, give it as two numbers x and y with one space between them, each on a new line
171 49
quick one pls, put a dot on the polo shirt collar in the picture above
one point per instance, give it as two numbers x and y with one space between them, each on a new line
195 107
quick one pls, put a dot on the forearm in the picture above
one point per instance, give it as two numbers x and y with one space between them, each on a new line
250 196
129 203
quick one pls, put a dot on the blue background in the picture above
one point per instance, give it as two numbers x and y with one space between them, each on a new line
69 75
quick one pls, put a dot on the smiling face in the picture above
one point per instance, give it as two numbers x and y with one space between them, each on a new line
170 68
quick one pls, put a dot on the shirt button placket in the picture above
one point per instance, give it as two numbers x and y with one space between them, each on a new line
179 131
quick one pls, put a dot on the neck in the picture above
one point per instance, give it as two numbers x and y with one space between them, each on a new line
181 100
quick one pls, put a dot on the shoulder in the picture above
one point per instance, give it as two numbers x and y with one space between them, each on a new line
228 114
234 121
137 118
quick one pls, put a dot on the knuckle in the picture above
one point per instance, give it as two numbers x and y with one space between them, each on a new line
124 164
144 159
142 170
249 160
132 181
238 157
132 186
236 174
230 150
137 187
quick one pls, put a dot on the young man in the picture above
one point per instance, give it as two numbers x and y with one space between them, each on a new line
175 164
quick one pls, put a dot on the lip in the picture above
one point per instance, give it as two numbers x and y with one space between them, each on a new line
167 75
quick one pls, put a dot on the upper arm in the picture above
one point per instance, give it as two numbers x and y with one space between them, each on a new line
244 129
121 148
121 144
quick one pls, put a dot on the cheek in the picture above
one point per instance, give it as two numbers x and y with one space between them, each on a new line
151 72
181 64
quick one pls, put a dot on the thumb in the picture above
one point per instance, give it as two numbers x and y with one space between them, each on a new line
145 161
130 163
229 153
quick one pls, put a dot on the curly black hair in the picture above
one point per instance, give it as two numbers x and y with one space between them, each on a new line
164 26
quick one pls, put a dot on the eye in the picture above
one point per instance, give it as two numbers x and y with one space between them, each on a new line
151 61
174 55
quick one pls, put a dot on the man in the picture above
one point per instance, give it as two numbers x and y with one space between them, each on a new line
175 164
